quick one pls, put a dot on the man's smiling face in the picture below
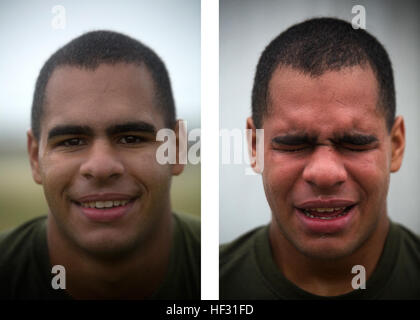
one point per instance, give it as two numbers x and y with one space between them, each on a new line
327 159
96 157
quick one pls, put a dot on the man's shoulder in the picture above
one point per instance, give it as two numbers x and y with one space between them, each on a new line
399 266
408 233
239 256
19 248
183 276
187 238
241 246
240 275
14 242
189 225
409 241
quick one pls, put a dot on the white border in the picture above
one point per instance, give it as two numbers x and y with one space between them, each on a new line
209 150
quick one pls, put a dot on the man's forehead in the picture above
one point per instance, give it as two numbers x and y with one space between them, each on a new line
103 123
315 134
101 97
350 95
351 84
105 76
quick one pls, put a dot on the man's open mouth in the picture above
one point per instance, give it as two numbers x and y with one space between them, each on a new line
326 213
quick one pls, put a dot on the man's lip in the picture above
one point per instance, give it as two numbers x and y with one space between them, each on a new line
105 197
328 203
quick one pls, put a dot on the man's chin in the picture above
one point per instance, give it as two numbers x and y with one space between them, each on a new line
326 249
108 248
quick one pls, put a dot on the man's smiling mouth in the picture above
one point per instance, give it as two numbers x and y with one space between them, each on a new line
104 204
105 207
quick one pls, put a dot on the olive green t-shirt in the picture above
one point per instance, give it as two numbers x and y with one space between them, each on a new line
248 271
25 269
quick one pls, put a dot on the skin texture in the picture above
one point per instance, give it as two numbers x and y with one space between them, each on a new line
324 108
125 257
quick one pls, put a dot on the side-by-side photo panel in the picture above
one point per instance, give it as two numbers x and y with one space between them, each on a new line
99 142
319 150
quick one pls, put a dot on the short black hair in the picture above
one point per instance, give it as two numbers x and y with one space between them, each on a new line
319 45
90 50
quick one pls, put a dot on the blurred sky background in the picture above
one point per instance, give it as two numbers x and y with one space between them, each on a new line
246 28
170 28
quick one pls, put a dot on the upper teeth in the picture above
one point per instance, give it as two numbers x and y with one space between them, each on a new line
104 204
321 210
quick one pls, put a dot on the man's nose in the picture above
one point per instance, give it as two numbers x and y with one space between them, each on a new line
102 162
325 169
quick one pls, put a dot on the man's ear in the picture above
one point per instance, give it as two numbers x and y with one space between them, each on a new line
33 148
397 143
252 144
181 148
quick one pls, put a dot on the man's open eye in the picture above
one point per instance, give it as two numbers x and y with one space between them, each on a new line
73 142
131 140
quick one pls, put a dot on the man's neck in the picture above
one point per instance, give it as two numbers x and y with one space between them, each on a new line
326 277
136 275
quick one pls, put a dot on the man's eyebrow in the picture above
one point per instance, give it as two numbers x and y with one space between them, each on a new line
294 139
63 130
355 138
137 126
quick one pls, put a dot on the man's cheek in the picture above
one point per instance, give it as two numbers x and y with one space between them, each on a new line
148 171
281 174
370 175
274 191
56 177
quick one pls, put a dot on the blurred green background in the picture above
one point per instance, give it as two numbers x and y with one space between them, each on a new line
21 199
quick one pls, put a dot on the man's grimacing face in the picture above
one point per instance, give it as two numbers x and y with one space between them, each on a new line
98 148
327 159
